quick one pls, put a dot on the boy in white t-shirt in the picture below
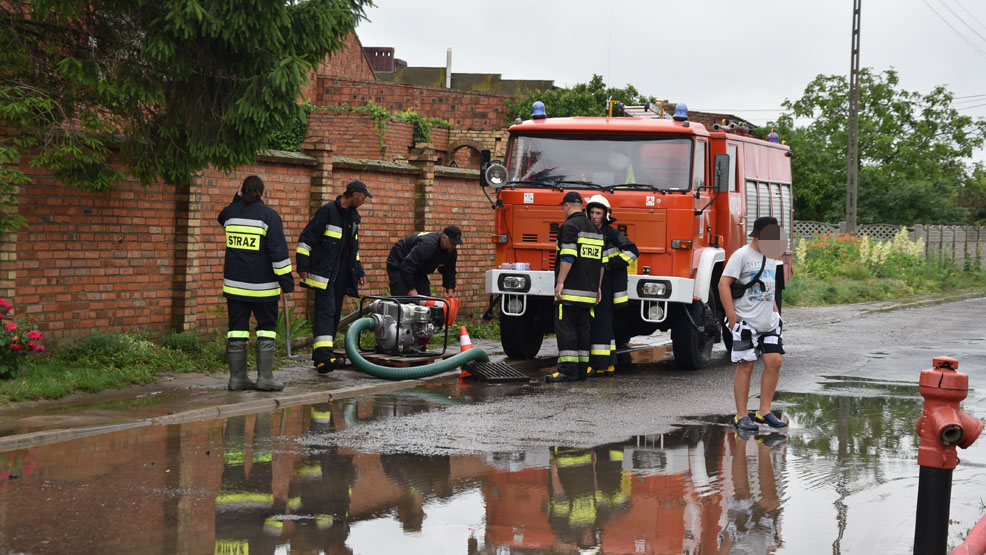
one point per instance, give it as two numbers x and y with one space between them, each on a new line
754 321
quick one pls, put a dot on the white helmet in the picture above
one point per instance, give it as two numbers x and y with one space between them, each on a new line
599 200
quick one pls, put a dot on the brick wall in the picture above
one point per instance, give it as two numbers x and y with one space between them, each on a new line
152 258
464 109
456 198
94 260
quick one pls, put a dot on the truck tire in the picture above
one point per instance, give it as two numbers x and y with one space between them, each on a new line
692 348
520 336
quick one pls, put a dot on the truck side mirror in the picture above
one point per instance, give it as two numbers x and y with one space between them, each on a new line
484 163
721 173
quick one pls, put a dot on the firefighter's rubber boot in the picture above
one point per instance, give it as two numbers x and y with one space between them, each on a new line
236 357
265 365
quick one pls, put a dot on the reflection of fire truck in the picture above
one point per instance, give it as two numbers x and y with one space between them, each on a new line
686 196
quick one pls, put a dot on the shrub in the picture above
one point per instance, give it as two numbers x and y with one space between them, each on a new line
17 339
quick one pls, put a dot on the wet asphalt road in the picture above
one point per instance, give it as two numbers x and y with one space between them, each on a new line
854 343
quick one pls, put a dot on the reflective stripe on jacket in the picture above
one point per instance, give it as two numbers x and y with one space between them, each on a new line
321 245
257 265
580 239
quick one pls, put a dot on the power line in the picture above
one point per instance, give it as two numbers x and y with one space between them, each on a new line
974 18
971 107
956 31
968 96
961 19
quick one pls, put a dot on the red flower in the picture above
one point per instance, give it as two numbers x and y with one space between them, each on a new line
4 303
17 346
40 349
11 326
32 346
34 335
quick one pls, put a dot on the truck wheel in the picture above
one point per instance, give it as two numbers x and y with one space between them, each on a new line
520 336
692 348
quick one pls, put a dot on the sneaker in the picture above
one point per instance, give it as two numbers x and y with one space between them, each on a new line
559 377
325 366
745 424
609 372
769 420
593 373
773 439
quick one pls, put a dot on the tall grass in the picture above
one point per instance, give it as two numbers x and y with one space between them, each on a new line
837 269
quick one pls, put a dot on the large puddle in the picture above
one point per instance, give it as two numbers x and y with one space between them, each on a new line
844 480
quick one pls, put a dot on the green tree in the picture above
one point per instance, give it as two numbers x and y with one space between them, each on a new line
584 99
168 88
914 151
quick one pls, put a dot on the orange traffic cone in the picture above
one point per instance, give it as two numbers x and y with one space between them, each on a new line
464 342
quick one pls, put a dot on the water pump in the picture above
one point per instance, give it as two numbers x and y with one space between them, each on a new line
402 325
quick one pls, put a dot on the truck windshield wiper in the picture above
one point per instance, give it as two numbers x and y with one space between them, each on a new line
515 182
580 182
647 186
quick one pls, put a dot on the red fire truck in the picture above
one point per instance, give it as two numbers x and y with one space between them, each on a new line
686 195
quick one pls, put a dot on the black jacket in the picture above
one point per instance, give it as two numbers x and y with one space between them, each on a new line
619 254
421 254
257 266
578 237
329 244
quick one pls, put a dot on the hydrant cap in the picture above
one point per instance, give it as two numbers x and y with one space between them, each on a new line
948 363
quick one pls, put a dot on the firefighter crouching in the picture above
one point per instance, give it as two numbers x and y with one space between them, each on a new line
329 264
257 269
414 257
578 272
619 252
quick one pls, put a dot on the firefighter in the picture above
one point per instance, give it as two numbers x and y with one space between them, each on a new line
257 269
619 252
414 257
578 272
329 264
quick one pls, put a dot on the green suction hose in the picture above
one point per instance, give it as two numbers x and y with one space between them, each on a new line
414 372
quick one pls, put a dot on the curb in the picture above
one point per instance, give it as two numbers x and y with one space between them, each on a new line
926 302
34 439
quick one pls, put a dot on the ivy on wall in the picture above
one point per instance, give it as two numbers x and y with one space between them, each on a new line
290 138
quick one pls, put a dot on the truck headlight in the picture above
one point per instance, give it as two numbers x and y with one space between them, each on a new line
496 175
515 283
654 289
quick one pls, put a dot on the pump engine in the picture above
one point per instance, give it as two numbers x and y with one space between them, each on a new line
403 326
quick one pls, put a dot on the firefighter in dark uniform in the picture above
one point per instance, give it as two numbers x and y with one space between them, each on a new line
256 270
414 257
618 254
578 273
329 264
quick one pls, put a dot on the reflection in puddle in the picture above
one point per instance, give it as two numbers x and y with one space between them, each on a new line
845 476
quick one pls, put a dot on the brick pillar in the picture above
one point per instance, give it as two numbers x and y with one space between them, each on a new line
8 264
190 218
423 157
318 146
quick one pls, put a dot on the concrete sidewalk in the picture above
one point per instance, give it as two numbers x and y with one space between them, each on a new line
179 398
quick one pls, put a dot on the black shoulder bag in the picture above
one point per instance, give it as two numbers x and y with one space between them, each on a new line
739 289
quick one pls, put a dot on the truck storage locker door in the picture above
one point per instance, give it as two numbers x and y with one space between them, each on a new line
751 207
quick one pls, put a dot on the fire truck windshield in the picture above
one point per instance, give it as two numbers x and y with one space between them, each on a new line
601 161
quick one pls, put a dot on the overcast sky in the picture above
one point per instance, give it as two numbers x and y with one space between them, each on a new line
743 57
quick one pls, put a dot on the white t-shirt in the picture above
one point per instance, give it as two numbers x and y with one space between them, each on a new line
756 306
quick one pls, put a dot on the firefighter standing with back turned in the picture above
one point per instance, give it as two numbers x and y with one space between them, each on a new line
328 263
256 270
619 252
578 273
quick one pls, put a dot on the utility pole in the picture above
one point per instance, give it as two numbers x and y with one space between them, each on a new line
852 174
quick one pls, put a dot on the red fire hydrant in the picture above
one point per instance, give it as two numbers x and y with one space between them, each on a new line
942 426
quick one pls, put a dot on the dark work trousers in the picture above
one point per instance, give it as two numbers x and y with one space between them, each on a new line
328 312
573 324
603 345
239 319
398 288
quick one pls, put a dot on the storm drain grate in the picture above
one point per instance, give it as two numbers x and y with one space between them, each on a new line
494 372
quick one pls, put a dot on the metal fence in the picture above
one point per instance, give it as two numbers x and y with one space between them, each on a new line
958 243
